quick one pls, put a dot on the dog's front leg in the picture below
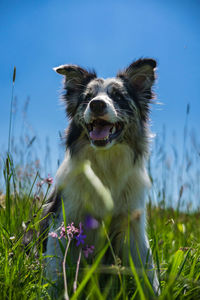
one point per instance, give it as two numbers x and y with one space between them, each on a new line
140 250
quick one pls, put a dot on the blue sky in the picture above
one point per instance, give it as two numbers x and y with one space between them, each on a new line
36 36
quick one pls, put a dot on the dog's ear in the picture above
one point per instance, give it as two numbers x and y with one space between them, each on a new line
139 78
140 74
75 80
75 76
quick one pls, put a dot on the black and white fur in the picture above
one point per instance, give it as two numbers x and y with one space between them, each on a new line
109 120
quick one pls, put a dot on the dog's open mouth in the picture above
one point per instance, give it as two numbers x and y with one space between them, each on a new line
102 132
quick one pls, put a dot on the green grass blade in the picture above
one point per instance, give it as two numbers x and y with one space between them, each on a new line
136 277
89 273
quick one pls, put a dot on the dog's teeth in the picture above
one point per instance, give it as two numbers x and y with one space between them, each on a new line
113 129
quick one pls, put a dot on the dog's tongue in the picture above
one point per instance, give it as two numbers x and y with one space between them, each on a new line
100 132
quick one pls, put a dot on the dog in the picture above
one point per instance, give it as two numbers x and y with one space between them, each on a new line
109 127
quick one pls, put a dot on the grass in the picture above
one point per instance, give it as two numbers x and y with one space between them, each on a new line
173 230
174 238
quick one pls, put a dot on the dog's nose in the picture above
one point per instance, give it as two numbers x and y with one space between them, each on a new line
98 106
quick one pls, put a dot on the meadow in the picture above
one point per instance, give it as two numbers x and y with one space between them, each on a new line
173 228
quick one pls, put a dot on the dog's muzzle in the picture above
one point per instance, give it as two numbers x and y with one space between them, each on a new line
101 131
98 107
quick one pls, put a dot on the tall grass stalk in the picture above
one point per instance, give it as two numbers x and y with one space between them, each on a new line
66 295
77 271
90 272
11 109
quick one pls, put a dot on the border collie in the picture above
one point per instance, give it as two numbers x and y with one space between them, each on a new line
109 127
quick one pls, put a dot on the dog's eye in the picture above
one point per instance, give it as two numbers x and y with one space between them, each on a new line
88 97
116 95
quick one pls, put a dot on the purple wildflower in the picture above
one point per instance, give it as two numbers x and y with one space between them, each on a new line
88 250
91 223
80 237
53 234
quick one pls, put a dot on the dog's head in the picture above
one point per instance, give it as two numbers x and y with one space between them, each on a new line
104 112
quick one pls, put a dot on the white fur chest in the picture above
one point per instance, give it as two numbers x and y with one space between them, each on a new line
126 181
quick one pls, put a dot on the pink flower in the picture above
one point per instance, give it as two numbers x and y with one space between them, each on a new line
53 234
49 180
62 232
71 230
